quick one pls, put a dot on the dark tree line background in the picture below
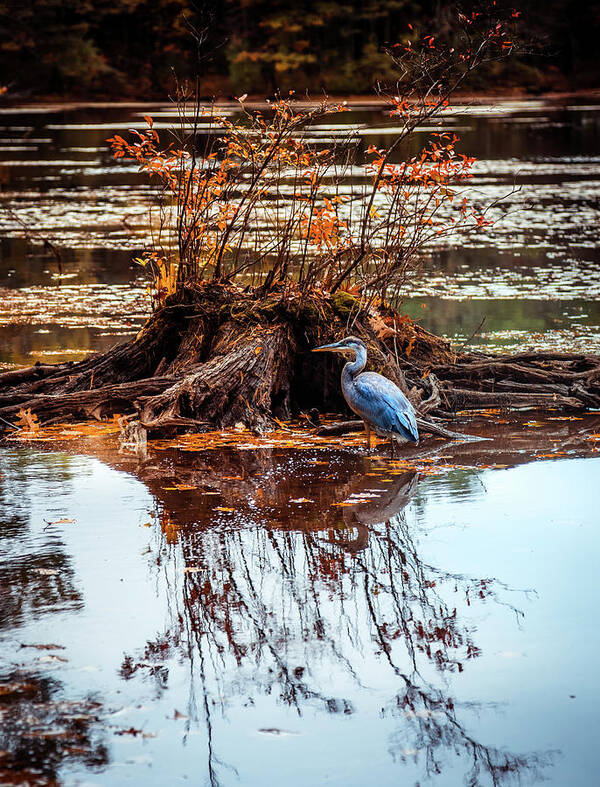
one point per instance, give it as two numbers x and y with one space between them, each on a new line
133 48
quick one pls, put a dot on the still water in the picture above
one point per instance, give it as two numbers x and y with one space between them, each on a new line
533 280
305 616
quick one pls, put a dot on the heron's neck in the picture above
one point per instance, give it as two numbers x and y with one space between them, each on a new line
352 368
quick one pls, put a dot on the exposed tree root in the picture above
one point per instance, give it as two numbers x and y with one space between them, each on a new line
250 375
96 403
425 427
219 355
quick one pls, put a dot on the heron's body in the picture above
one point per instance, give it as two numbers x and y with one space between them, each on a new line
378 401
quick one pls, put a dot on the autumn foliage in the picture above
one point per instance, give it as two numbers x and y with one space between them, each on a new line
259 199
129 48
274 234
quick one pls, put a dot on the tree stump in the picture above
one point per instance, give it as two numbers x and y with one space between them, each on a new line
217 355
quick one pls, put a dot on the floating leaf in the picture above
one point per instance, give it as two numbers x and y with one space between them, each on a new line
66 431
27 421
63 521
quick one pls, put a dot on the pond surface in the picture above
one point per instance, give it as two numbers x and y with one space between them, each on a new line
532 280
303 616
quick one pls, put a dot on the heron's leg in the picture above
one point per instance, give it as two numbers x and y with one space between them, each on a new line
368 430
392 442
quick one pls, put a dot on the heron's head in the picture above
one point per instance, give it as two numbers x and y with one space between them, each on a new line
351 344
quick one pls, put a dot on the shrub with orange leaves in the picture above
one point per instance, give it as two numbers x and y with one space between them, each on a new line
260 202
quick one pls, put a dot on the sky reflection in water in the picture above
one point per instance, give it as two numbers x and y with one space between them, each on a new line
442 627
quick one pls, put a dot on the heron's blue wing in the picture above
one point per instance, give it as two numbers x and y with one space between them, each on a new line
381 403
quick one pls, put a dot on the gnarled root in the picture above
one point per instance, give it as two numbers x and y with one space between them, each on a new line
219 355
247 381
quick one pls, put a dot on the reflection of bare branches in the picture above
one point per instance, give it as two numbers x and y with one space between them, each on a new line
432 717
40 731
276 611
33 235
212 760
44 583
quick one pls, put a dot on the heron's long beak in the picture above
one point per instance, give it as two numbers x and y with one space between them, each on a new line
337 347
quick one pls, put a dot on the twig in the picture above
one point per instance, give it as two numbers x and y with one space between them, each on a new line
341 427
475 332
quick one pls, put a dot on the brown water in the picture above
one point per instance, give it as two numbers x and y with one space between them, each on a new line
533 279
303 615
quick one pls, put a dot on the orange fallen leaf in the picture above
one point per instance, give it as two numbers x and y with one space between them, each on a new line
60 432
60 521
27 421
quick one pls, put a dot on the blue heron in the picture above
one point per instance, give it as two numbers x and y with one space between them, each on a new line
377 400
